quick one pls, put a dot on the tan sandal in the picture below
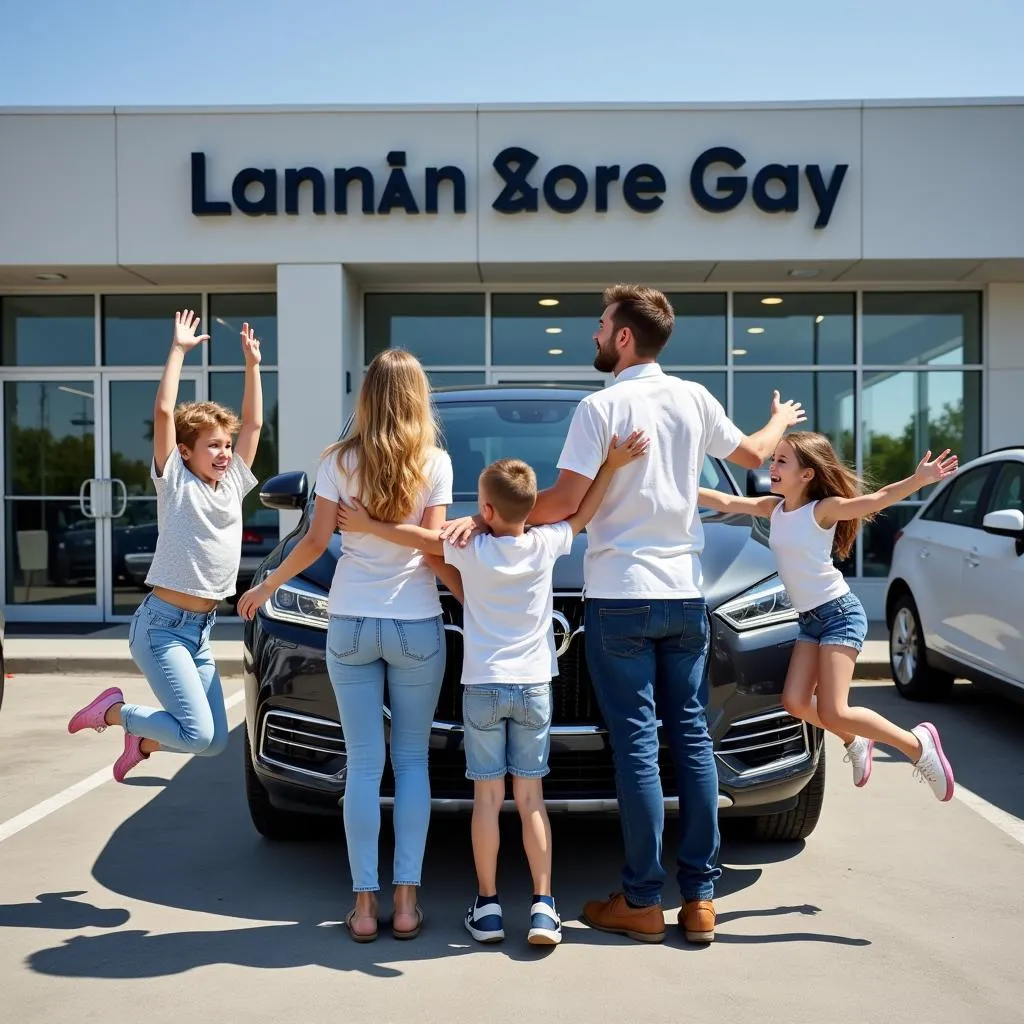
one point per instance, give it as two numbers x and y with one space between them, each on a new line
412 932
356 936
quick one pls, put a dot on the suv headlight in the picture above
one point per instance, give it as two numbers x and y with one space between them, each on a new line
294 602
767 604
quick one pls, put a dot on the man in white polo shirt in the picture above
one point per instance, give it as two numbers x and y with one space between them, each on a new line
646 622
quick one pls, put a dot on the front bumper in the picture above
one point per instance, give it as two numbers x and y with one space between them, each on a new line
764 756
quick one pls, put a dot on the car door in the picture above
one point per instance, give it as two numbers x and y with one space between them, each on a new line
943 537
993 587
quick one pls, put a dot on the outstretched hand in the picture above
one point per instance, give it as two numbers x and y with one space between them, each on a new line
185 326
459 532
354 518
250 346
931 472
791 412
635 446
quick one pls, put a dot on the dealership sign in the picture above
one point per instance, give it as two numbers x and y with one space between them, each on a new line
718 181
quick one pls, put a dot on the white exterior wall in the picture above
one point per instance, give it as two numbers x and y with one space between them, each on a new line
1004 384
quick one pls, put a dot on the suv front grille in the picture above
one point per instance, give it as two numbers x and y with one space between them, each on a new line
303 743
761 742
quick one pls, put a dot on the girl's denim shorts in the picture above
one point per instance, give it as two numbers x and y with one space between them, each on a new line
841 622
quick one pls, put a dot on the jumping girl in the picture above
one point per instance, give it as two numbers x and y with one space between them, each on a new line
815 517
201 478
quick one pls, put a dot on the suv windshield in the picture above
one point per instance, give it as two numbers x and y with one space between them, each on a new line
476 433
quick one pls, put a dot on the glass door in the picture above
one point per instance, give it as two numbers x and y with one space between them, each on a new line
53 499
130 529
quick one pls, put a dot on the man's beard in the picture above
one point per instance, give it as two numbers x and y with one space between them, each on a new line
605 361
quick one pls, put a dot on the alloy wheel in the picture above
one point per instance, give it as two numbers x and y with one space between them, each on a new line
903 645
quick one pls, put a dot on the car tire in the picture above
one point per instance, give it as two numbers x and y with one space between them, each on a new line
915 679
800 822
270 821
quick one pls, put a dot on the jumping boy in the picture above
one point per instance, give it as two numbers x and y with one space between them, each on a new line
508 664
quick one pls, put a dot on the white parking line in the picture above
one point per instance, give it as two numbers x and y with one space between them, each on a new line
19 822
1003 820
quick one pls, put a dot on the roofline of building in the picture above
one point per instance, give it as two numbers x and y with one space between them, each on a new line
474 108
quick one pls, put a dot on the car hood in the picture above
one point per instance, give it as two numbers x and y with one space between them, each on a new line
735 557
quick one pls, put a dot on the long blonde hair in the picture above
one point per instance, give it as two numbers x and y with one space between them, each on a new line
832 479
392 436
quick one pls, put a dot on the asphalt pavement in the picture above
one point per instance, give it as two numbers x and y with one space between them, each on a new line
156 901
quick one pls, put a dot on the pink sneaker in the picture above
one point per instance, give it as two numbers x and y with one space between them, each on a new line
130 758
92 716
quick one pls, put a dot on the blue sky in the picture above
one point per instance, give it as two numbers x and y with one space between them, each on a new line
131 52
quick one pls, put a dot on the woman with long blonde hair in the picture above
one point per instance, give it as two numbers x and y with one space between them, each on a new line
385 623
816 509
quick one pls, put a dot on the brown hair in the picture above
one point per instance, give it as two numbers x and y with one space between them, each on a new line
832 479
511 488
646 312
192 418
392 435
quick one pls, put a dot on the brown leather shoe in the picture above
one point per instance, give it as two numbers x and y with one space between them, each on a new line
645 924
697 919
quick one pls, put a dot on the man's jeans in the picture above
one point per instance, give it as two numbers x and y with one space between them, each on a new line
639 650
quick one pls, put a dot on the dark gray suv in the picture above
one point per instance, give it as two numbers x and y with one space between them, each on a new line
771 766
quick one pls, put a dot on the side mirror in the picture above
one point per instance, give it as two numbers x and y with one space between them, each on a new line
1007 522
285 491
759 483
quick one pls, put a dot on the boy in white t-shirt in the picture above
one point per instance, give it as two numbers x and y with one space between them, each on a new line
508 664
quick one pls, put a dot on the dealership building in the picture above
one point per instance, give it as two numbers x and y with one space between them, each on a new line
865 258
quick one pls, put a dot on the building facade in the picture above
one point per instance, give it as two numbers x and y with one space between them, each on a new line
866 259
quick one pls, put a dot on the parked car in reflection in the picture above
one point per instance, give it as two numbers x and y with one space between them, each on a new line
955 596
771 766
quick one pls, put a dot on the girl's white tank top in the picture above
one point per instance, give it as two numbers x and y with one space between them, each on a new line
803 551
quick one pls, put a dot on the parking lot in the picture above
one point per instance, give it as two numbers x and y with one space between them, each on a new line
157 901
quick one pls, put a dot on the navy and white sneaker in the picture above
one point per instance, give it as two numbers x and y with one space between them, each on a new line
545 924
483 920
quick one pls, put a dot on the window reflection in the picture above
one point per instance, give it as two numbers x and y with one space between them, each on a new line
228 313
137 329
699 335
544 329
48 330
787 329
437 329
922 327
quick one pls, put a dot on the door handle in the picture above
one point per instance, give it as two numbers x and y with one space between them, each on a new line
924 553
115 482
88 507
972 560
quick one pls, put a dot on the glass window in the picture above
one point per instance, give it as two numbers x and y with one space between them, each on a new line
228 313
455 378
787 329
699 335
545 329
137 329
48 330
1009 489
714 382
963 506
922 327
906 413
827 398
442 330
260 531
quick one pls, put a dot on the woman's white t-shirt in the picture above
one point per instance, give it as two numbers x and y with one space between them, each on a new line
375 578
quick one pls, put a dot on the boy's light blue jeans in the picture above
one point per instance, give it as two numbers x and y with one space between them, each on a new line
172 647
361 651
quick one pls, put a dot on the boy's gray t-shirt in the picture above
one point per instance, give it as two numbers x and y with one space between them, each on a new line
199 546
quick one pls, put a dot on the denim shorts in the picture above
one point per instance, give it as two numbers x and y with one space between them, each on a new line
841 622
508 729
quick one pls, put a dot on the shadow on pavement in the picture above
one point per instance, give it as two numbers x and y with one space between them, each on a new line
61 911
981 735
193 847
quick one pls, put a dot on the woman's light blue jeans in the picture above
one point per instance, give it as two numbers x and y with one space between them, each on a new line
361 652
172 647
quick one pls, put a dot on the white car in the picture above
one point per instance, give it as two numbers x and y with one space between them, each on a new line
955 599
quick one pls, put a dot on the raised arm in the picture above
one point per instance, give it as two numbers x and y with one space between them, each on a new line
733 504
834 510
755 448
301 557
183 341
634 447
356 519
252 398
